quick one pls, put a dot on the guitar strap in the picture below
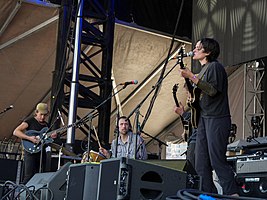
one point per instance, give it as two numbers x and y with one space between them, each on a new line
201 75
203 71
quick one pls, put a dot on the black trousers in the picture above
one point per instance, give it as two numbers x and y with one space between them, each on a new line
190 155
31 165
211 147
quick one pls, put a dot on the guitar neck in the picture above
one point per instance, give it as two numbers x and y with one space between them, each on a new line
62 129
189 86
176 100
187 81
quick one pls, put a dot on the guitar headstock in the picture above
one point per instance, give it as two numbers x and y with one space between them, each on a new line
181 50
175 88
181 56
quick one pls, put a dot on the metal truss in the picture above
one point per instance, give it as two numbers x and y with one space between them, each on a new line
93 83
253 114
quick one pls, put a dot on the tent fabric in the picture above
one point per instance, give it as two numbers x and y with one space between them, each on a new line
27 53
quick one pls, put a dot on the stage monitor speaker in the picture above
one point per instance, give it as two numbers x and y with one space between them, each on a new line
82 181
123 178
252 185
10 170
38 181
177 164
53 183
58 182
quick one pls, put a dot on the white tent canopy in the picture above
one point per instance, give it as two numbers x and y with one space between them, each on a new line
28 50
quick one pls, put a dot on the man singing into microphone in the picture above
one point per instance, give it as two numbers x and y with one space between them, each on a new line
126 143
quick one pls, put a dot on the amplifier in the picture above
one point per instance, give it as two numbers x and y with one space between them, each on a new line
251 166
252 185
10 170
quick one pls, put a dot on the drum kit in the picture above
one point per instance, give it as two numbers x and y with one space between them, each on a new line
93 155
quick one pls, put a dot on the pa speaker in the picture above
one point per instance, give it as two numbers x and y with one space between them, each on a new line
58 183
82 181
52 185
38 181
135 179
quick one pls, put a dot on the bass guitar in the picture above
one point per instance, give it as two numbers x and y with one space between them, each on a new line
44 136
195 92
186 123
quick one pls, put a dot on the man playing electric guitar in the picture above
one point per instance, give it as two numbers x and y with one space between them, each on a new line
34 123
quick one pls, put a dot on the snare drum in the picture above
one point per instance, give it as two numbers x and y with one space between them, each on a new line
94 157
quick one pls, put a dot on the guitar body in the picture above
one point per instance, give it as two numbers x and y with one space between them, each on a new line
186 124
195 95
195 108
35 148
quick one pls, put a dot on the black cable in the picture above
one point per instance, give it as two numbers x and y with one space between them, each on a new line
45 188
7 185
28 194
163 69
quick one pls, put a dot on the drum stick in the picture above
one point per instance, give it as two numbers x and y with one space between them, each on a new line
97 137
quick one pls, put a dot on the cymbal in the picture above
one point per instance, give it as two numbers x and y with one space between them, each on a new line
64 150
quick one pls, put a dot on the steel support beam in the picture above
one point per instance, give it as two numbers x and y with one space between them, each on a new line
92 80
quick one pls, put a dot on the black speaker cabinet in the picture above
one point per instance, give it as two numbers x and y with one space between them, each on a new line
82 181
135 179
52 182
10 170
252 185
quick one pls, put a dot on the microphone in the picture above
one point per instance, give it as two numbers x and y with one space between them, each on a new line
60 116
8 108
129 83
189 54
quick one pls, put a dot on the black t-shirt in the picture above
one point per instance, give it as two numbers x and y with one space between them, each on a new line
217 105
33 124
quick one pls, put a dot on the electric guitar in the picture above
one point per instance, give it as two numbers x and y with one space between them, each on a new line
195 92
44 136
186 124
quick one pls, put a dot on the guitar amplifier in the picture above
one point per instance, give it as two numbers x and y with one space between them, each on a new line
252 184
251 166
10 170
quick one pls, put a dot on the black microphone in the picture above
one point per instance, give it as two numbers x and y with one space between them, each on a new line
129 83
8 108
189 54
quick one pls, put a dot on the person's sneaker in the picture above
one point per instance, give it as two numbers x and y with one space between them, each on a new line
235 195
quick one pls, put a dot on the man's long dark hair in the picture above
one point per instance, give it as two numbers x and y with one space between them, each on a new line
211 46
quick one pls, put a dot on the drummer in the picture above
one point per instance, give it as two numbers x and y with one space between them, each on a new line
126 143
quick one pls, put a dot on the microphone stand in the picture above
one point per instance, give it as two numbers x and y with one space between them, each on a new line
137 132
145 98
153 88
158 140
117 132
90 116
89 138
42 145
